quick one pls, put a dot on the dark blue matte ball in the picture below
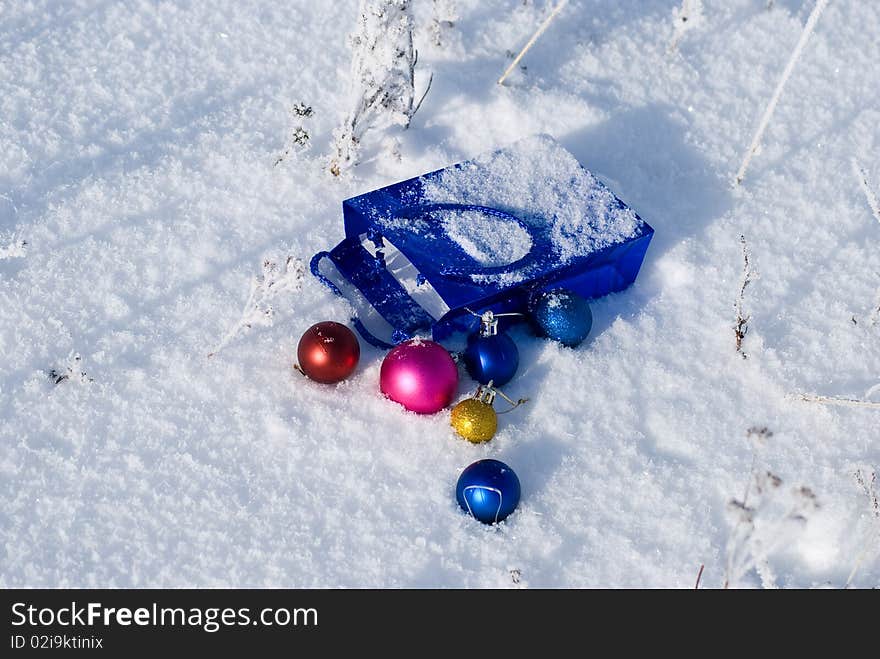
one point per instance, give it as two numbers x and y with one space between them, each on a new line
488 490
563 316
494 358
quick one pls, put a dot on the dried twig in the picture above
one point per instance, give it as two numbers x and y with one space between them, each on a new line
72 372
699 576
258 309
835 400
419 104
777 93
299 137
764 518
764 524
758 436
742 320
862 177
531 42
383 77
868 484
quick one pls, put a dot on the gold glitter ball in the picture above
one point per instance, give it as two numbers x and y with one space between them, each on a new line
474 420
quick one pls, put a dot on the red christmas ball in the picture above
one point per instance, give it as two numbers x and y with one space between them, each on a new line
328 352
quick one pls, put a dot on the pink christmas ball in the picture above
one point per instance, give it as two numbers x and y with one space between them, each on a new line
420 375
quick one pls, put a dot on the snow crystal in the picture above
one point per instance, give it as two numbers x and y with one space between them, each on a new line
554 301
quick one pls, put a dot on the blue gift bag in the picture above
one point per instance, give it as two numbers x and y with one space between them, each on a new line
488 233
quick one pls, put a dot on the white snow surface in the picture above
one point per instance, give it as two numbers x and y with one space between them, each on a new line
137 142
488 240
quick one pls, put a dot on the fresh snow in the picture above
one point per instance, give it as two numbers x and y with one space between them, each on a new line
542 183
139 203
488 240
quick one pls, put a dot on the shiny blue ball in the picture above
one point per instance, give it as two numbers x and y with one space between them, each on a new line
563 316
494 358
488 490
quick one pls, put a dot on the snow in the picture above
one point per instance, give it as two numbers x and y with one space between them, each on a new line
137 143
544 184
488 240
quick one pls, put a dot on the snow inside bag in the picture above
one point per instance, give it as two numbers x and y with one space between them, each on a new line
486 233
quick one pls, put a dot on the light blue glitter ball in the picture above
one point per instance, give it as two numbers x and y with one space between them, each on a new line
563 316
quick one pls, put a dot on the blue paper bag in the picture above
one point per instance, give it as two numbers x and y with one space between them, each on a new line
488 233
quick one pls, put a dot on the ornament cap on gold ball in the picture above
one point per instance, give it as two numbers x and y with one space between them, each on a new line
486 393
475 418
